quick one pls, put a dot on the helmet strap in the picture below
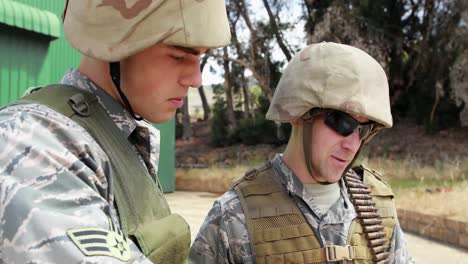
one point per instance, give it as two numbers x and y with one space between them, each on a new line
114 68
306 137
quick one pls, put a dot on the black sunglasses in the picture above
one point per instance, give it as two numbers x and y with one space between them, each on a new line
343 124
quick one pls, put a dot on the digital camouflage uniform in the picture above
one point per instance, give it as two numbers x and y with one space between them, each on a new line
56 182
54 177
327 76
223 237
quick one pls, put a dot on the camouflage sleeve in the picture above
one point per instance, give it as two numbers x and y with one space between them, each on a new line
223 237
211 244
398 248
54 186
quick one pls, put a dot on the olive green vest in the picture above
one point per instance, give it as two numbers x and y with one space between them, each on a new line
279 232
143 211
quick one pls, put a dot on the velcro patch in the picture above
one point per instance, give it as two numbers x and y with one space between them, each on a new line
97 241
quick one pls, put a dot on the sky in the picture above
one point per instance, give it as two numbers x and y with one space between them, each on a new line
294 37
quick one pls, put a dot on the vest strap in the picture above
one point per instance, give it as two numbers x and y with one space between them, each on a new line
132 184
329 253
338 253
143 211
279 232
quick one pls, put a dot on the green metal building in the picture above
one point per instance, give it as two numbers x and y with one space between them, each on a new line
33 52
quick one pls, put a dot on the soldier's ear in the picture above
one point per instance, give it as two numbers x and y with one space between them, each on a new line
297 122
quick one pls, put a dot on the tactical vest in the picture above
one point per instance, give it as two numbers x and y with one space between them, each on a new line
279 232
144 213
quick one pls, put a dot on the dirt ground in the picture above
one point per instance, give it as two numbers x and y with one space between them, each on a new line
201 167
403 141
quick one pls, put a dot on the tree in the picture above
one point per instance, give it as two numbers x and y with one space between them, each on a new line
274 26
233 19
414 41
187 131
232 122
201 92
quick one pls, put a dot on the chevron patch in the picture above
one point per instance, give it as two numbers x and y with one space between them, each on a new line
97 241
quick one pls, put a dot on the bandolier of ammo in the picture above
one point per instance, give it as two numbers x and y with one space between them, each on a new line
368 216
280 233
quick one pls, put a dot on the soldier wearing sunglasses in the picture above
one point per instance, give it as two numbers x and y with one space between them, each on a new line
312 204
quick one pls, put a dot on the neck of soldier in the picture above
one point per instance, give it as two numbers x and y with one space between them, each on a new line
293 157
98 72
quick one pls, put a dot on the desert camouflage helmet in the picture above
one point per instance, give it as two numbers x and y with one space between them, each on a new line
336 76
111 30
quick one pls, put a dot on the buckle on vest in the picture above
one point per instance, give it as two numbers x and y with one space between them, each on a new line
337 253
79 105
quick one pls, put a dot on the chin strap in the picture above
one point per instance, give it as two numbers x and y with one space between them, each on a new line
114 68
306 128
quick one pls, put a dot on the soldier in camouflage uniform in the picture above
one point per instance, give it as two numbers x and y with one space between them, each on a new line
336 98
57 193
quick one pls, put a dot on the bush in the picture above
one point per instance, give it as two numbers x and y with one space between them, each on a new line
250 131
256 130
219 125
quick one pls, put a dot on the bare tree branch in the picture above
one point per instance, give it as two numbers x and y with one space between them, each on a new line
276 32
187 131
228 89
201 92
262 81
241 5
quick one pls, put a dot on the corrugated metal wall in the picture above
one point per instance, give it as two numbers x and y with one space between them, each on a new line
61 55
27 59
22 58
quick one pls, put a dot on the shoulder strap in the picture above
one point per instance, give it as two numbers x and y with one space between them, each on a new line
137 196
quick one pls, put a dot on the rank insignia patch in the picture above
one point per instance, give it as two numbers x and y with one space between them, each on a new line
97 241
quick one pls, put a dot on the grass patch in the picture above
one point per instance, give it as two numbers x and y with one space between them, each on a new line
442 201
438 189
214 179
410 169
415 183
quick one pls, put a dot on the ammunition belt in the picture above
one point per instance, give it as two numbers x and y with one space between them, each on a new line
368 216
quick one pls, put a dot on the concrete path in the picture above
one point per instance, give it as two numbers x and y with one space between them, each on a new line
427 251
194 206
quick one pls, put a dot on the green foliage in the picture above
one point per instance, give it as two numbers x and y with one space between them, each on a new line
275 72
219 124
415 183
418 102
263 105
250 131
315 10
419 42
446 116
218 92
256 130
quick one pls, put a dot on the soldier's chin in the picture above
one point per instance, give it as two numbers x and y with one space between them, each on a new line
326 180
159 118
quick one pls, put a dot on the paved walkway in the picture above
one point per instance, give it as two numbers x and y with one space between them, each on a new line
194 206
